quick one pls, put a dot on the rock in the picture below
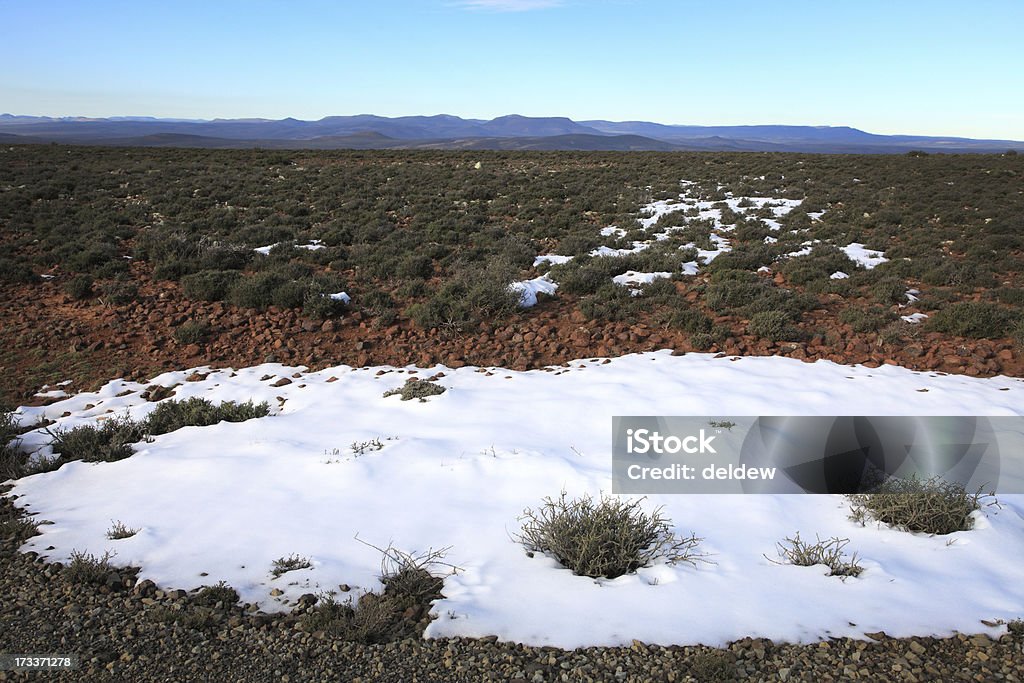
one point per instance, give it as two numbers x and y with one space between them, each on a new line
284 381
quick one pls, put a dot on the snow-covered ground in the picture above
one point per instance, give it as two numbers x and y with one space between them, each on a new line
223 502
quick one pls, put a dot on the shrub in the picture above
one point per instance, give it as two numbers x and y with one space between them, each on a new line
169 416
211 596
867 319
728 294
289 294
889 291
317 302
16 523
192 332
15 272
79 287
12 460
120 291
829 553
283 565
255 291
716 665
772 325
400 611
690 320
612 302
416 388
818 265
1010 295
87 568
1017 334
961 274
604 538
209 285
980 320
108 442
119 530
931 506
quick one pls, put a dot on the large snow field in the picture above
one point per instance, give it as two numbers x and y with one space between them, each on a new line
223 502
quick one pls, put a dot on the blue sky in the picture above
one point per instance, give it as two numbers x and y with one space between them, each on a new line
930 67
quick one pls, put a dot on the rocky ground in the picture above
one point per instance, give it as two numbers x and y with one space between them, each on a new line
47 337
122 629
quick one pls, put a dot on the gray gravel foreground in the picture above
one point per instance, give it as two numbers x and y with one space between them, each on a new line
121 631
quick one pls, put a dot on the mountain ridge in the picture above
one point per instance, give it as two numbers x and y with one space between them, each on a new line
446 131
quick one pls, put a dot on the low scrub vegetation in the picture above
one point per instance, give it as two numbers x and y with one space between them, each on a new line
830 553
12 460
169 416
88 568
113 438
283 565
16 523
416 388
221 595
974 319
109 441
931 506
192 332
411 583
119 530
607 537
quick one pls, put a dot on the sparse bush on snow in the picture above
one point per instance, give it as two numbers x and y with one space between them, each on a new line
829 553
607 538
932 506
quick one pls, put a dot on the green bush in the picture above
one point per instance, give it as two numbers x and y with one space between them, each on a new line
16 523
12 460
283 565
871 319
289 294
612 302
318 303
192 332
171 415
120 291
1013 296
772 325
209 285
930 506
211 596
604 538
980 320
255 291
110 441
889 291
79 287
15 272
87 568
732 294
820 264
691 320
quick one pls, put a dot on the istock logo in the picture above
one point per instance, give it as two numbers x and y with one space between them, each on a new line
642 441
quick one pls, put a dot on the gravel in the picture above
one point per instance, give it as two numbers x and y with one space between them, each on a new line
126 630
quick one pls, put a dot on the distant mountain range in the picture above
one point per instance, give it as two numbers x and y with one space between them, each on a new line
451 132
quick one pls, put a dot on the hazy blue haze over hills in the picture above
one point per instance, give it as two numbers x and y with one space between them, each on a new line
510 132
